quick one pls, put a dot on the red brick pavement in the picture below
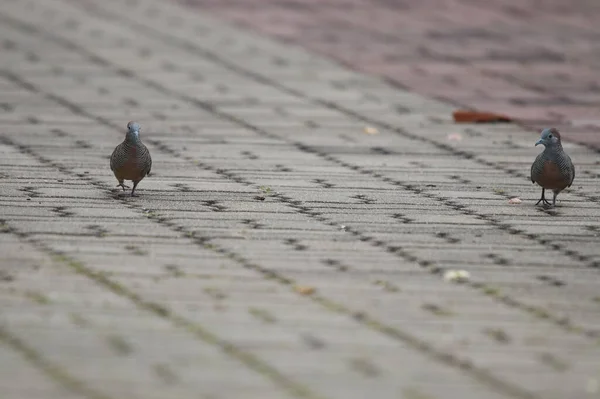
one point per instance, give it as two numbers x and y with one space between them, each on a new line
535 60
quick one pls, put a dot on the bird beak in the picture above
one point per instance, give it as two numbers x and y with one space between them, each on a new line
540 141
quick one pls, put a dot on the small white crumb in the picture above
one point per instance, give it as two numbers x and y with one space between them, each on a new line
515 201
454 137
343 226
370 130
457 276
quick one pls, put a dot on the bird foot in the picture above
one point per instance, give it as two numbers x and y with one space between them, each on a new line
123 186
545 203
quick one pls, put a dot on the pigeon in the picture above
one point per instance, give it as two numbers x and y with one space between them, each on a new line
131 159
552 169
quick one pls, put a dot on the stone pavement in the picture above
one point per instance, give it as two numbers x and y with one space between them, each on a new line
536 60
277 250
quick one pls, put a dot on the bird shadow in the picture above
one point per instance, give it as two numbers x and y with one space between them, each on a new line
549 211
121 195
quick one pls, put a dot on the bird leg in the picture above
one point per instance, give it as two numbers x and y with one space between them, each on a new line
554 199
121 184
135 183
543 199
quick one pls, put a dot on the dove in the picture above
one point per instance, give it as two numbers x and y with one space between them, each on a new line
552 169
131 159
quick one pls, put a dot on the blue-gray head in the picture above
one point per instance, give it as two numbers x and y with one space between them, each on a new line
133 131
550 138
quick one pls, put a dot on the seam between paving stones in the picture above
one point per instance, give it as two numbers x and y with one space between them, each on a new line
37 360
487 290
248 359
563 322
553 245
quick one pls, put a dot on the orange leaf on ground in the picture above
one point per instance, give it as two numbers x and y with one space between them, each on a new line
304 290
467 116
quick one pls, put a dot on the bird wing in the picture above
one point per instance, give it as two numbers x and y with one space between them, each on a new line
537 166
573 169
146 159
531 173
113 159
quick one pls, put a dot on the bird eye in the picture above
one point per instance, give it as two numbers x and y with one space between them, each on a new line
549 136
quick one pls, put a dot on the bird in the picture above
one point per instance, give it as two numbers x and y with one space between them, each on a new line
553 168
131 159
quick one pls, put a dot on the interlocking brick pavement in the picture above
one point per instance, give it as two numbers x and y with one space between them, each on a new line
532 60
277 250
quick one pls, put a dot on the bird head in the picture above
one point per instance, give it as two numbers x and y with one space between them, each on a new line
133 131
550 138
